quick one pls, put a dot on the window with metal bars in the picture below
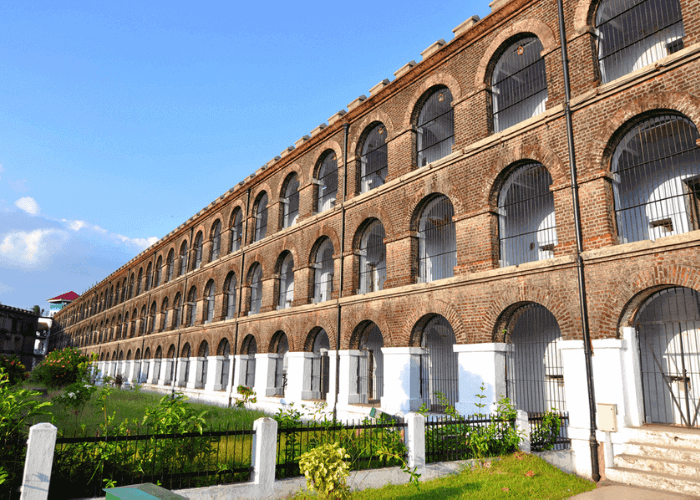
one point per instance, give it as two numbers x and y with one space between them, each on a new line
438 364
225 352
236 230
118 332
116 297
282 349
534 370
323 271
656 179
320 366
164 315
198 247
435 127
177 312
255 279
374 165
327 182
152 319
183 258
203 362
290 202
149 271
230 299
209 302
138 282
632 34
260 214
171 365
286 292
437 241
250 349
144 320
159 268
185 370
518 84
170 265
131 286
156 364
215 241
372 258
527 230
192 306
370 367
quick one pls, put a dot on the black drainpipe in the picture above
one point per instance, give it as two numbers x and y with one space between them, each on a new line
346 128
244 241
595 468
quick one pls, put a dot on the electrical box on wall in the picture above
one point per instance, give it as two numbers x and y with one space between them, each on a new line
607 417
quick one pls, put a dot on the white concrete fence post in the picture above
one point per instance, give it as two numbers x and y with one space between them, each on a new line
522 425
415 441
264 455
37 467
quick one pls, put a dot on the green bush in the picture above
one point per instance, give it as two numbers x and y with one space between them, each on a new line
61 368
545 436
326 471
14 369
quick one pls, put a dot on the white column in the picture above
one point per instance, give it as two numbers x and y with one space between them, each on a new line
522 425
195 373
239 370
153 371
180 374
38 463
347 389
166 368
401 379
127 374
265 374
263 455
632 379
415 441
298 376
213 382
480 364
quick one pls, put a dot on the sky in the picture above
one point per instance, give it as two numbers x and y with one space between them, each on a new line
120 120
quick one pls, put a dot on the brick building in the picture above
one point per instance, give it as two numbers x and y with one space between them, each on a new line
425 239
19 332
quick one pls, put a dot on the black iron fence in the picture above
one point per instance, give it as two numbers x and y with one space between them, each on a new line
13 450
368 444
83 465
541 436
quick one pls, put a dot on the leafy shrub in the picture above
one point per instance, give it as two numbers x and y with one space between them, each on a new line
326 471
247 396
61 368
545 436
75 397
15 370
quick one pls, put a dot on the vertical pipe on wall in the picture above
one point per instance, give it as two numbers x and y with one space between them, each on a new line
595 468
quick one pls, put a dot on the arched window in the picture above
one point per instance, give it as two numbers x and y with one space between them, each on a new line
144 320
370 371
152 319
656 179
120 324
215 241
131 286
156 364
192 306
435 128
320 366
164 315
527 229
149 271
170 265
374 165
177 311
186 365
518 83
170 374
138 282
372 258
323 271
327 182
286 295
437 241
290 202
250 349
124 291
159 268
255 280
198 250
203 364
116 297
260 215
111 296
209 302
230 290
438 364
236 230
183 258
224 351
281 348
632 34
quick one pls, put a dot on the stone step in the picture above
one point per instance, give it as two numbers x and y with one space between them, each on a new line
661 465
685 485
679 453
665 436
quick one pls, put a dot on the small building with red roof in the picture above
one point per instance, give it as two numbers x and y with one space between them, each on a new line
59 302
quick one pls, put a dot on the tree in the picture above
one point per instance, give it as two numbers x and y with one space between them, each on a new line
38 311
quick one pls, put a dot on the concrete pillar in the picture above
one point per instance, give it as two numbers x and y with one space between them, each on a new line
265 374
37 467
415 441
181 367
153 370
480 364
195 380
347 389
213 382
401 379
239 370
166 368
522 426
631 379
298 376
264 455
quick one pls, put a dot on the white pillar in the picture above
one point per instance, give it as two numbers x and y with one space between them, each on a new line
239 370
37 467
632 379
401 379
213 382
480 364
522 426
194 381
298 376
347 389
415 441
265 374
181 367
166 368
153 374
264 455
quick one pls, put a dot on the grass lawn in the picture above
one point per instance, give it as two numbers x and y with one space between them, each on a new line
518 476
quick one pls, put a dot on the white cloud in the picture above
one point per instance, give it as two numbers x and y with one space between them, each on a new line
29 205
31 248
141 243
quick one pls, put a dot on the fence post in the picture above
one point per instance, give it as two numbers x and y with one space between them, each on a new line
37 467
415 441
264 456
522 425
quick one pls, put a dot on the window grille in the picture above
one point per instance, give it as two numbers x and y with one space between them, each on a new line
323 272
204 359
256 290
281 365
286 296
250 350
152 320
164 314
192 307
156 364
656 179
372 258
138 282
438 364
261 217
149 270
186 367
131 286
518 84
176 311
183 259
215 242
327 182
437 241
159 268
435 128
527 230
171 259
119 326
144 320
225 364
171 364
236 231
231 297
320 366
290 202
374 163
632 34
116 300
198 251
370 368
534 371
209 304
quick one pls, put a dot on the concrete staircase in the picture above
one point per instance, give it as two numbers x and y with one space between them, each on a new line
659 457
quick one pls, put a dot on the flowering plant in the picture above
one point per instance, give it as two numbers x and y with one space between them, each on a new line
75 397
61 368
15 370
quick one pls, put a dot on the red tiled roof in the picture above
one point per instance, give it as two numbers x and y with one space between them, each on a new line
65 296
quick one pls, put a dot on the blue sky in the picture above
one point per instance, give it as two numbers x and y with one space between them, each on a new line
120 120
